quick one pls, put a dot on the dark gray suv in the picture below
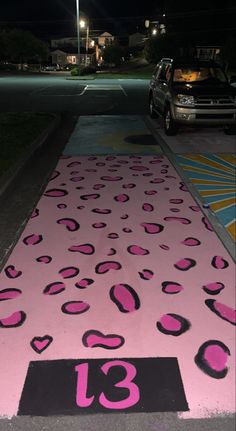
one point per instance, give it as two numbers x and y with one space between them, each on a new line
191 92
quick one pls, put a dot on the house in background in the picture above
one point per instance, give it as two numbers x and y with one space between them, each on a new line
137 40
105 39
208 52
64 50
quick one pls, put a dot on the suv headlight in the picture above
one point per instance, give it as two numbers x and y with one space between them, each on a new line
184 99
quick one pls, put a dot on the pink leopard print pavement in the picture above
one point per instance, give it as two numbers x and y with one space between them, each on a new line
117 260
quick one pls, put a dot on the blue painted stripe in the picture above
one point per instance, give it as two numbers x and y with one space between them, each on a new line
227 215
203 176
216 198
215 187
218 159
187 163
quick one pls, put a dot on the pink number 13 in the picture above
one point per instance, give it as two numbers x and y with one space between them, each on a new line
82 385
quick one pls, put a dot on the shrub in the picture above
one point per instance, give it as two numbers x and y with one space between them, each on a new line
75 71
87 70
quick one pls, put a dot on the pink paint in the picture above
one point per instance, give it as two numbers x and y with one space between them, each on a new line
39 344
152 228
99 225
191 242
35 213
14 320
137 250
170 323
171 287
178 219
185 264
6 294
132 334
83 248
103 267
176 201
219 263
33 239
226 312
69 272
82 284
148 207
90 196
54 288
44 259
146 274
157 181
121 198
12 272
127 383
71 224
55 193
77 179
214 288
164 247
110 178
95 338
216 357
75 307
139 168
207 224
125 297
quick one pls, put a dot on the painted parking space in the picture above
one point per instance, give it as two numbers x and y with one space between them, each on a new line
116 134
213 175
117 265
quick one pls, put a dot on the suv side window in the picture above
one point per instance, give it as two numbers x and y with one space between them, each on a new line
163 70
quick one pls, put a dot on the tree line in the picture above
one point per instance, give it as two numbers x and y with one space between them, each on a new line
20 46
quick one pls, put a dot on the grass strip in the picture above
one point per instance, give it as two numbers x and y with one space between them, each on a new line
18 130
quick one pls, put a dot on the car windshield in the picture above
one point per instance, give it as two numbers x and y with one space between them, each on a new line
195 74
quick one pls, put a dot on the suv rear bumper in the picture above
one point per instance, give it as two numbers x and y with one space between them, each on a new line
194 116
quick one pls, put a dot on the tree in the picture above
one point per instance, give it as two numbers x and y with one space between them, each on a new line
113 54
22 46
228 53
160 46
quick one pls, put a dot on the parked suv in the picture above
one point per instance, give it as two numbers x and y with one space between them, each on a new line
191 93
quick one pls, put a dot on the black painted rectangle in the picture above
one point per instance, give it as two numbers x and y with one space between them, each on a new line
50 386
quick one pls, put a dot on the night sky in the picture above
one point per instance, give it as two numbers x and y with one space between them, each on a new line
50 18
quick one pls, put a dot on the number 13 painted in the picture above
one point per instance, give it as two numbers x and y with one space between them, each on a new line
82 385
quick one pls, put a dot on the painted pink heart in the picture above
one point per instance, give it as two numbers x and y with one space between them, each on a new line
39 344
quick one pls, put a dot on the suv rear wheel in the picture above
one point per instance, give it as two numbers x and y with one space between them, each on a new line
152 110
170 127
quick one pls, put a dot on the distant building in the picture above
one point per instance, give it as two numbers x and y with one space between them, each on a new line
137 40
105 39
208 52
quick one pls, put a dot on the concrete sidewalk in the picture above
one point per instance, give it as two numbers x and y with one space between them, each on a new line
117 263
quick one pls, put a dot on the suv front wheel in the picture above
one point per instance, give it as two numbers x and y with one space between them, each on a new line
170 127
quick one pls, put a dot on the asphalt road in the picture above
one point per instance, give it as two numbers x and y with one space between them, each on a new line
56 93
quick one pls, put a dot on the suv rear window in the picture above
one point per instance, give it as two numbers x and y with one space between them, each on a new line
198 74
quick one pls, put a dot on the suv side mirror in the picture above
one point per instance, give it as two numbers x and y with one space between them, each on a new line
232 79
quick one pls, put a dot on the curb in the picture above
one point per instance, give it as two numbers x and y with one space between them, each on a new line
9 176
79 78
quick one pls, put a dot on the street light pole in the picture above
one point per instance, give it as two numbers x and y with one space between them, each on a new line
78 29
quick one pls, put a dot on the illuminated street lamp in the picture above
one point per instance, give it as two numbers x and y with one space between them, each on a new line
154 32
78 29
83 25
